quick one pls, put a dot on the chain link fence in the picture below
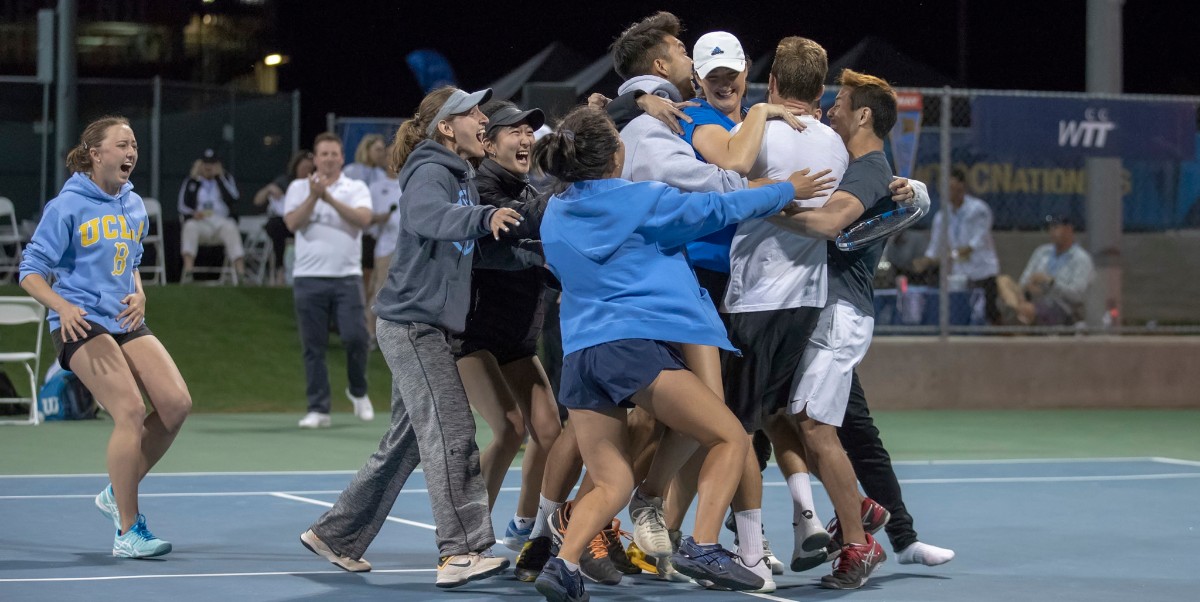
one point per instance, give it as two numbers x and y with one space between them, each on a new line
254 135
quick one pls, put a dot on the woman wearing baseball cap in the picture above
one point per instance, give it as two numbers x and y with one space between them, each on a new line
425 298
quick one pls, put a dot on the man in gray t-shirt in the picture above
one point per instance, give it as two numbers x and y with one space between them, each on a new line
852 273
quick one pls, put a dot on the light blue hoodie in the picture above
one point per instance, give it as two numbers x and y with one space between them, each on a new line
616 246
91 243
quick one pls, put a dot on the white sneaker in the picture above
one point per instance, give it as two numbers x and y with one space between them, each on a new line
315 420
649 526
318 547
810 534
362 407
763 569
772 561
923 553
456 570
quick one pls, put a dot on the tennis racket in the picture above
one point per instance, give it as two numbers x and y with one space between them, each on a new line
880 226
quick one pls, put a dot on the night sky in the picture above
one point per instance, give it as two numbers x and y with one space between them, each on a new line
348 57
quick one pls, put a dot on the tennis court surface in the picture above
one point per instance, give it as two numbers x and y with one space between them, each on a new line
1040 529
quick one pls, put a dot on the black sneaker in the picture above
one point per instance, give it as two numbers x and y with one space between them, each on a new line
558 524
595 563
854 565
558 584
532 559
616 551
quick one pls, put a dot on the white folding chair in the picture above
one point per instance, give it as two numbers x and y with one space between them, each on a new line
24 310
157 270
260 255
10 235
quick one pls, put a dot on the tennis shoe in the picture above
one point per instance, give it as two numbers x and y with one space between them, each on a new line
616 550
533 558
854 565
314 544
595 564
874 516
560 584
106 501
715 565
649 525
640 559
362 407
514 537
458 569
558 523
315 420
139 542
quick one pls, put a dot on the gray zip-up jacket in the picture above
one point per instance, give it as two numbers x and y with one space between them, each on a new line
440 217
654 153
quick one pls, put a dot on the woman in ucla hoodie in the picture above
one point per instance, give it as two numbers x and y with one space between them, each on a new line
89 243
423 301
629 298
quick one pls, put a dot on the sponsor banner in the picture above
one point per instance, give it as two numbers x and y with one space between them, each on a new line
1014 126
906 132
1021 191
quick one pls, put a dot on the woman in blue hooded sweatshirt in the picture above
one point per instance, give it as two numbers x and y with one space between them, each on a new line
629 299
90 243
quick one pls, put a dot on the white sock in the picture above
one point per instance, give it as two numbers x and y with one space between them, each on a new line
800 485
750 537
546 509
523 522
571 566
923 553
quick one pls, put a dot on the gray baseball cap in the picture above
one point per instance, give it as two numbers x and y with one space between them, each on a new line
460 101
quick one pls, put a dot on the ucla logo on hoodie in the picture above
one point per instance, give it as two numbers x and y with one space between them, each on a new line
464 199
111 227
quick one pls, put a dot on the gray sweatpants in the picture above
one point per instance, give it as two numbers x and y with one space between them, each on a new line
431 425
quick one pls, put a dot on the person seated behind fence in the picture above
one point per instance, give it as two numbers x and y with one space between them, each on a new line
299 166
972 252
1053 287
207 203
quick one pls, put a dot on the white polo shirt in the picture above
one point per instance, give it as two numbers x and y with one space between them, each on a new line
328 246
769 267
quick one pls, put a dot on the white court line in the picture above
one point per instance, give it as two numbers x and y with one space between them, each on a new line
193 575
294 495
767 597
68 496
1063 479
1176 461
270 473
296 498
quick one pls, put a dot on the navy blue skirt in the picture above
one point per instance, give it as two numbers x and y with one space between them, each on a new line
607 375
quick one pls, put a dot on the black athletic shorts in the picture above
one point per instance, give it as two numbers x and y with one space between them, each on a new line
759 382
68 349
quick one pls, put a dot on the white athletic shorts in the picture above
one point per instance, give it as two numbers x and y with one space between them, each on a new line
822 382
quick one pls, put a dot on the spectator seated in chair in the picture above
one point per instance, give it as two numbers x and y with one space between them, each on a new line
207 203
1053 287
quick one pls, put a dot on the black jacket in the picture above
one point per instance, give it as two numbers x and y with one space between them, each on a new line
191 190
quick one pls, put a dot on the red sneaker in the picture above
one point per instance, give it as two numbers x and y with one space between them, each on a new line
854 565
874 518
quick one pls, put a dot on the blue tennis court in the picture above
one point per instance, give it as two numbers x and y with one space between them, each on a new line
1079 529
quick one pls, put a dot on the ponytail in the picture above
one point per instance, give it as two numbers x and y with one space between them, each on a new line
412 132
582 148
80 159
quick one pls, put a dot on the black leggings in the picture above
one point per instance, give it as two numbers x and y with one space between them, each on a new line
873 466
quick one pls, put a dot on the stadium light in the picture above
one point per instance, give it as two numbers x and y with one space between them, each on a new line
273 60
